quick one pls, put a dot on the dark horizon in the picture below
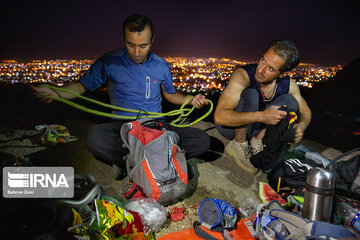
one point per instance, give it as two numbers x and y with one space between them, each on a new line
325 32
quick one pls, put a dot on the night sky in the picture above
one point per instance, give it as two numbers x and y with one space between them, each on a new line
325 32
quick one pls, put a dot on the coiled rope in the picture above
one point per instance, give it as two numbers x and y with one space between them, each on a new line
179 122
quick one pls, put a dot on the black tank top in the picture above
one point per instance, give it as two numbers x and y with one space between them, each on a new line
283 84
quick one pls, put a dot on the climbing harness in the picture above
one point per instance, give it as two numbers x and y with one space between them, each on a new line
179 122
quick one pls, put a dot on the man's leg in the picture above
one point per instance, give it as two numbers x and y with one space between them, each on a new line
249 102
239 147
105 143
194 141
258 134
288 100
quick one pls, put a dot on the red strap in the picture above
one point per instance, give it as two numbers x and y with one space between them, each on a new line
183 176
155 188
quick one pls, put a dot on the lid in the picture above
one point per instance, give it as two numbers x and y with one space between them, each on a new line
320 177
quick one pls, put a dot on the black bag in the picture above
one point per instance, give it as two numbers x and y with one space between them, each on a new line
346 168
276 144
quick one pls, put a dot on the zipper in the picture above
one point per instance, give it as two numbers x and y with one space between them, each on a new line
147 90
170 156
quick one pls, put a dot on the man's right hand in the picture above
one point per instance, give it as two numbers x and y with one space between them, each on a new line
43 93
273 115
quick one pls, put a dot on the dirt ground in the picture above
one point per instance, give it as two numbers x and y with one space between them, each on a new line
216 174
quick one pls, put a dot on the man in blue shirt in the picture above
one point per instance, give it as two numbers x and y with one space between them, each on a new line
136 79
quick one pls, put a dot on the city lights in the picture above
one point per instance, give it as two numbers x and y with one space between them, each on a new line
208 75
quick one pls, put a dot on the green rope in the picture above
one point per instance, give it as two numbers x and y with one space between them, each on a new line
179 122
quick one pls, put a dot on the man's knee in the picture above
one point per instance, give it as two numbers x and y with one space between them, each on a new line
204 142
249 101
292 103
288 100
92 138
200 144
250 93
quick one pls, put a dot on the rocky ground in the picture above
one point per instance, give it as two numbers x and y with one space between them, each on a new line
216 174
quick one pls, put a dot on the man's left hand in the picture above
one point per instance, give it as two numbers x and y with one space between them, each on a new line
199 101
299 132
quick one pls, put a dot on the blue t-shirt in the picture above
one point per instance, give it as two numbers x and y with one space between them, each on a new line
283 84
130 85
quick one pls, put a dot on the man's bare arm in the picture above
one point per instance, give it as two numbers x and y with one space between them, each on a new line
179 98
44 92
304 110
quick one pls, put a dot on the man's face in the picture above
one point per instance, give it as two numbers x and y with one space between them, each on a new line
269 66
138 44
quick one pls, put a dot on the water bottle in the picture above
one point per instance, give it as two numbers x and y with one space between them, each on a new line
248 209
319 194
349 215
275 225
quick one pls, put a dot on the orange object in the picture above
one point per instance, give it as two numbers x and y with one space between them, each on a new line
240 233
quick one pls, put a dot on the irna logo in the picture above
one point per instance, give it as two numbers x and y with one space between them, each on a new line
38 182
33 180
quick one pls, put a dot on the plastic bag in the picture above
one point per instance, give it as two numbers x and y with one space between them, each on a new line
113 222
150 210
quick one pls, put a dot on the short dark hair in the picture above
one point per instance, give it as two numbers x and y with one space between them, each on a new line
287 51
137 23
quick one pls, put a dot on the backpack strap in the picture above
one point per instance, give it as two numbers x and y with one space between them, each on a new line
155 124
300 227
124 131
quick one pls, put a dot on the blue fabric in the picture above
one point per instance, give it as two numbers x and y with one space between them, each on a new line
130 85
330 230
226 208
210 213
282 88
214 212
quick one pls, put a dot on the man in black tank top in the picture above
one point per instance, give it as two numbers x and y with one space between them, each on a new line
252 99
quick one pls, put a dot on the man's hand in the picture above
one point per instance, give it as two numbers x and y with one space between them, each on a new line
299 132
199 101
43 93
273 115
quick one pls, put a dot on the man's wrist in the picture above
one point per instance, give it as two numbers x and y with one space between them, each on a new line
302 124
188 99
59 95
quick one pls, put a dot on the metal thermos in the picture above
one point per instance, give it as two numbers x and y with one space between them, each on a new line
319 194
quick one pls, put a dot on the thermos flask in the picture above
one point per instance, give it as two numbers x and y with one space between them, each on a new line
319 194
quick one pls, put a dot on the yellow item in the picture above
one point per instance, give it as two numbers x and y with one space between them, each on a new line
77 218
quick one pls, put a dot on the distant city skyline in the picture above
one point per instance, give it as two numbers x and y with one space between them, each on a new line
207 75
325 31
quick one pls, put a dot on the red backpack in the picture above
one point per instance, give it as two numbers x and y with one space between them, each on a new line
155 164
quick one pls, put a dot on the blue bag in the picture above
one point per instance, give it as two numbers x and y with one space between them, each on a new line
215 212
216 215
